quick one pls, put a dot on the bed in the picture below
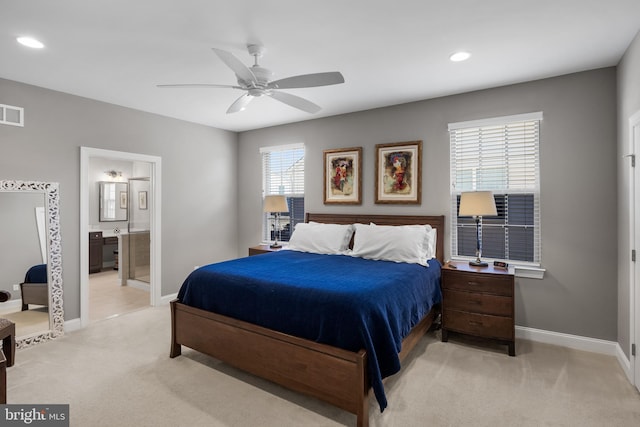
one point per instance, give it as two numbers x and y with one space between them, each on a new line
341 375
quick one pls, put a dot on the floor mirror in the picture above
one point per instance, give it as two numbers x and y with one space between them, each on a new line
31 260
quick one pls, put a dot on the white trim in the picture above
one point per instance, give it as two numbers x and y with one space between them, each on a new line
293 146
166 299
3 115
72 325
526 117
634 304
156 222
528 272
567 340
625 363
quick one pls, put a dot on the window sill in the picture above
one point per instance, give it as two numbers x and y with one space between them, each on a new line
527 271
518 270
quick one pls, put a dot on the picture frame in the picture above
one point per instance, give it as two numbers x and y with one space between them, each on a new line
142 200
123 200
343 176
397 173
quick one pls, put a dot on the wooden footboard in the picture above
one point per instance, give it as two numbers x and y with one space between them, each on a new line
336 376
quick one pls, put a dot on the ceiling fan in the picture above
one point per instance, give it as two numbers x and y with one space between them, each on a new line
255 81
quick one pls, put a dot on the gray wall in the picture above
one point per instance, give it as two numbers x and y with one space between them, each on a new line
628 105
578 184
199 174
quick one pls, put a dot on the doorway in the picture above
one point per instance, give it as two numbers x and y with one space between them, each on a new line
142 226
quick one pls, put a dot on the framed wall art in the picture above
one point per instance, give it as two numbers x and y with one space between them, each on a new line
343 176
398 176
123 200
142 200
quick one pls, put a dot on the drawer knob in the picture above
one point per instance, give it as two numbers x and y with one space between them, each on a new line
474 323
471 283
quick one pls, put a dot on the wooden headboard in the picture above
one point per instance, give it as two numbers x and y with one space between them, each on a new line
436 222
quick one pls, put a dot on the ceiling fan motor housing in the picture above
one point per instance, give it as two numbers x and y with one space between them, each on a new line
263 75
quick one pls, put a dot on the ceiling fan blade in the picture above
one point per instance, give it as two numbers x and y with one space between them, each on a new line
199 85
240 103
296 101
308 80
241 70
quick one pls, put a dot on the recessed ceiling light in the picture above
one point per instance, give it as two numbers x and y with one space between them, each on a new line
460 56
30 42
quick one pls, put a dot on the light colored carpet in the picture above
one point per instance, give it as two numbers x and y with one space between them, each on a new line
118 373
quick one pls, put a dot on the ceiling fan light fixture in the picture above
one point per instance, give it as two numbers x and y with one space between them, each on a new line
30 42
460 56
256 82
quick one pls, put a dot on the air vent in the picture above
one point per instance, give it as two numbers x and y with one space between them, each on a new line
10 115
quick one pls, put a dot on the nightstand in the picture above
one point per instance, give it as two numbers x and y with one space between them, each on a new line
478 301
262 249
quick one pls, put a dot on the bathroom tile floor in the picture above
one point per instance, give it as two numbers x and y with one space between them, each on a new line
107 298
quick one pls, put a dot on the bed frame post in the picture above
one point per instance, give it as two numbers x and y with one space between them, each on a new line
176 349
362 411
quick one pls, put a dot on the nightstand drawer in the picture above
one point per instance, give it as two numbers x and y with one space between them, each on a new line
479 324
478 303
489 283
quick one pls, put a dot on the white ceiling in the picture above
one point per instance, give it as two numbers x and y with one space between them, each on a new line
390 52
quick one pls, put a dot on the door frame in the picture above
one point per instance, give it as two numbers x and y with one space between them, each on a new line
634 242
155 291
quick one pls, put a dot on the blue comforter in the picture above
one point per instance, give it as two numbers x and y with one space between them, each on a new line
343 301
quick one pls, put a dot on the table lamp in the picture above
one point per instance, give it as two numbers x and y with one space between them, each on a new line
276 204
477 204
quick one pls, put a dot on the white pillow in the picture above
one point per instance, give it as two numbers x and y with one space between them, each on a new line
414 244
321 238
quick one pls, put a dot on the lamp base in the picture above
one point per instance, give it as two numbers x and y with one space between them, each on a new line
478 263
275 246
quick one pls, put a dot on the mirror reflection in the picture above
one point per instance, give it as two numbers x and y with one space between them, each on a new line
113 201
23 262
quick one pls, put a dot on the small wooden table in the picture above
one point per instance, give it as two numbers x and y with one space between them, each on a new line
478 301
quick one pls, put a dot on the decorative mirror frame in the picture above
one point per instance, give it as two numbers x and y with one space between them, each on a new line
54 256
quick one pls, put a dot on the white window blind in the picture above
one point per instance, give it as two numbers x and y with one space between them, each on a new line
500 155
283 173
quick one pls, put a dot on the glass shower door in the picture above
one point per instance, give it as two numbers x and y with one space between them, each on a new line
139 230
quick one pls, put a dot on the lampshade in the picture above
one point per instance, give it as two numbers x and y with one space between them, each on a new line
477 203
275 203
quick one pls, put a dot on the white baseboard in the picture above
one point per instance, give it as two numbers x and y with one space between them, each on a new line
566 340
72 325
168 298
625 363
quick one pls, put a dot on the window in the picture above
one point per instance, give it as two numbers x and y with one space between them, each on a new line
283 173
501 155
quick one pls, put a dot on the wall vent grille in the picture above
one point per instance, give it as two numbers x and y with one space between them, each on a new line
10 115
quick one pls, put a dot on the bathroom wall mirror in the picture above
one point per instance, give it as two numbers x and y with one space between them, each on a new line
33 239
113 201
